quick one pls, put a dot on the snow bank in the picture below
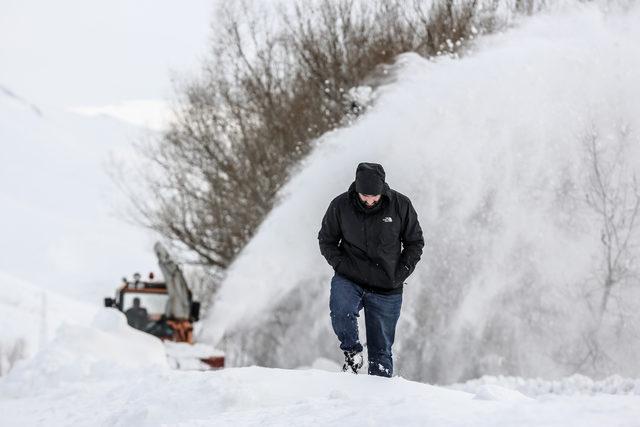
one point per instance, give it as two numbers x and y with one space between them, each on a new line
262 396
185 356
495 392
574 385
106 347
490 150
325 365
30 315
108 374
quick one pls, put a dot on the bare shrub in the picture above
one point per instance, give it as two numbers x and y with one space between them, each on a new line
607 300
613 195
263 97
12 354
204 283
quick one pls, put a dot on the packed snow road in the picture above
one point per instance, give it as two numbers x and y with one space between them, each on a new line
261 396
108 374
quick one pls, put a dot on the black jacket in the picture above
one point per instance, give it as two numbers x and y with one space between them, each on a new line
364 244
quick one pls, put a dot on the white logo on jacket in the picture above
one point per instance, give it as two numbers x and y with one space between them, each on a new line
387 219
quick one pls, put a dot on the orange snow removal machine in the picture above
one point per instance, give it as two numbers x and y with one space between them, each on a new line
166 310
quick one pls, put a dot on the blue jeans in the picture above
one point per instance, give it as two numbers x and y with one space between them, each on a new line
381 314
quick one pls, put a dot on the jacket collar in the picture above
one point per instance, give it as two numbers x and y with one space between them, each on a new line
385 197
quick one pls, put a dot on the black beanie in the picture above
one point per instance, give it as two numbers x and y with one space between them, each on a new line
370 179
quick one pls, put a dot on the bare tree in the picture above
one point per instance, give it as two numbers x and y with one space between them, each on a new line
614 196
263 97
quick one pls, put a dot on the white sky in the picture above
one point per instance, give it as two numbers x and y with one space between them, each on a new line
72 52
98 71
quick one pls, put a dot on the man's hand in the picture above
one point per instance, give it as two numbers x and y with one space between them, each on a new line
402 272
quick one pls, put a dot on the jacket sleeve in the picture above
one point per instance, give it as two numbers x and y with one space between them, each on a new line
330 235
412 241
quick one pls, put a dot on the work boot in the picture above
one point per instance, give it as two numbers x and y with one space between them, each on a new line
352 361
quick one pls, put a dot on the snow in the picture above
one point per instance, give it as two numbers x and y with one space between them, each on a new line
104 373
108 374
488 149
186 356
95 350
324 365
496 127
494 392
30 316
80 82
573 385
151 114
65 229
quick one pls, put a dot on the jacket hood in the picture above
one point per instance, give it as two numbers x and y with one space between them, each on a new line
384 199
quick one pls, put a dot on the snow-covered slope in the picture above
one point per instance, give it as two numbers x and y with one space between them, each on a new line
262 396
63 224
107 374
103 347
490 148
79 83
30 316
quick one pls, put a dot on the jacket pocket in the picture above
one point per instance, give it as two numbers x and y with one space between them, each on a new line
402 272
342 266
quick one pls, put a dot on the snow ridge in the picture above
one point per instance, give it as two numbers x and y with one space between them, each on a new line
573 385
20 101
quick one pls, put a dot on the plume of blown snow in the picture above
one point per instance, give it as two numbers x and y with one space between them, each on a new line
490 150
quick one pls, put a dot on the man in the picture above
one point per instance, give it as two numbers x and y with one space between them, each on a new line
361 238
137 316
